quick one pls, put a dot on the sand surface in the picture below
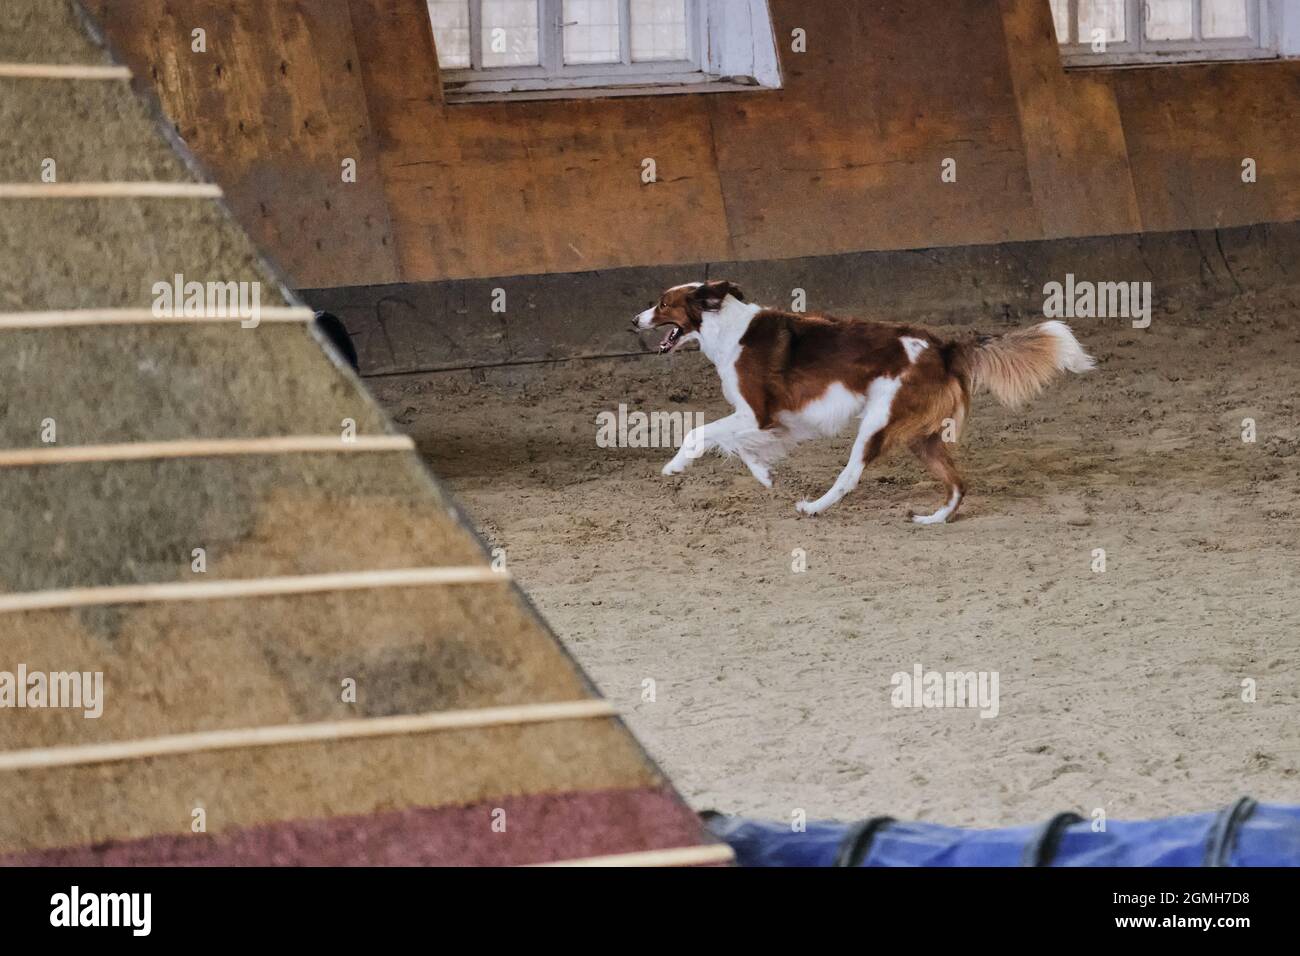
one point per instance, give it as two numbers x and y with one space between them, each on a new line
1119 690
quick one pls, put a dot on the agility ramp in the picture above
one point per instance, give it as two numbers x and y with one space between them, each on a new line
307 657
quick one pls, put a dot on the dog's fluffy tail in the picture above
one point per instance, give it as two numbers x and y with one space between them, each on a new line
1017 366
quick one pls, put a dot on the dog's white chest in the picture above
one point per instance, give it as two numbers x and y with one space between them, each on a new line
720 337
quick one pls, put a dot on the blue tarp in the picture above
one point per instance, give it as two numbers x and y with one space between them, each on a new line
1244 834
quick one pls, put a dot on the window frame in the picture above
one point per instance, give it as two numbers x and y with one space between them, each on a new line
553 78
1262 44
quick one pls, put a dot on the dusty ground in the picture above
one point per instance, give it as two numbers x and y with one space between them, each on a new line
1119 690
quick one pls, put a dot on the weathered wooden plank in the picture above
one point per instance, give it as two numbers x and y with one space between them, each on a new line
403 91
844 159
243 788
1073 138
274 107
1188 130
405 650
165 383
848 155
44 31
117 523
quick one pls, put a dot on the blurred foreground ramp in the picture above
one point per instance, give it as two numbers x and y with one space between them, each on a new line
306 654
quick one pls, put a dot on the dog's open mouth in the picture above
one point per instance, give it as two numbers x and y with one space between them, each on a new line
671 339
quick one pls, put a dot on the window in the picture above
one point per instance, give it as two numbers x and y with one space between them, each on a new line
533 49
1099 32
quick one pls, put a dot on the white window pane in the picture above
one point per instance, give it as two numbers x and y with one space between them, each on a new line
1061 14
659 30
591 33
510 33
1102 20
1169 19
451 32
1224 18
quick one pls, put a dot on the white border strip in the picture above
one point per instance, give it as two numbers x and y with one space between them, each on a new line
200 448
41 758
684 856
18 601
63 71
74 317
110 191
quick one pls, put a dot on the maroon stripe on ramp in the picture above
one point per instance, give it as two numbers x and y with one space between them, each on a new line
539 828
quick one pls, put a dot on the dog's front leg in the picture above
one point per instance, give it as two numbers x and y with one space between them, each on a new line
699 440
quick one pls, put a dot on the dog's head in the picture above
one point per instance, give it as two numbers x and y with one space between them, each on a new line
682 309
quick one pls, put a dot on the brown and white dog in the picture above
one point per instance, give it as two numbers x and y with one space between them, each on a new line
793 377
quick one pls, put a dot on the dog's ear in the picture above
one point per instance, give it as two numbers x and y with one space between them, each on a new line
710 295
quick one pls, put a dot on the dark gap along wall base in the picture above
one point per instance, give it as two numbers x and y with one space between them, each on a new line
475 323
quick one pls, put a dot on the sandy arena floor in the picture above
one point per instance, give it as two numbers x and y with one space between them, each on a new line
1119 690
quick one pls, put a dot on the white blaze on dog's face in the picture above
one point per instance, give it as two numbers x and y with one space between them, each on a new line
682 308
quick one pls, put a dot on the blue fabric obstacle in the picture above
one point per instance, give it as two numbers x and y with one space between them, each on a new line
1244 834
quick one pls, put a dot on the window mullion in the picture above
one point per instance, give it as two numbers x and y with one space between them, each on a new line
1137 23
625 32
550 35
1072 30
697 32
476 34
1198 24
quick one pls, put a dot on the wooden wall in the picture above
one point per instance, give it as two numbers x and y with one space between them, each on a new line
845 158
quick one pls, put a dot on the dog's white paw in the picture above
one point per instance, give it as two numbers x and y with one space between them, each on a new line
937 518
807 508
672 468
763 477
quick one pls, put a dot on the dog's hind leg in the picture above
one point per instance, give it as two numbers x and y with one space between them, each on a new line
933 453
868 446
760 449
756 468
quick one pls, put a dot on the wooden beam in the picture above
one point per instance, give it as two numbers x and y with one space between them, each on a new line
82 317
63 71
200 448
173 591
110 191
709 854
42 758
